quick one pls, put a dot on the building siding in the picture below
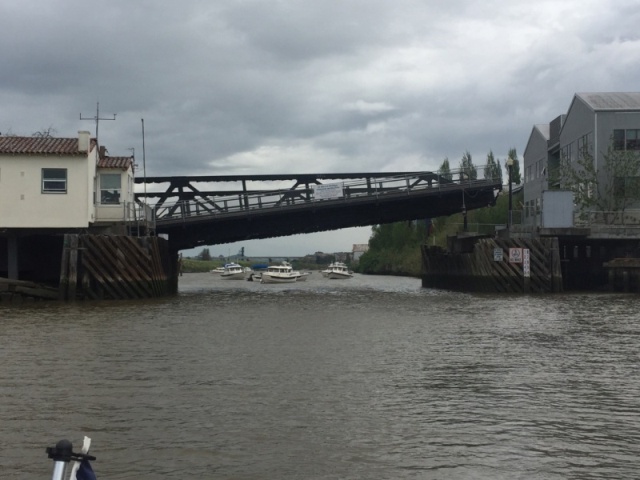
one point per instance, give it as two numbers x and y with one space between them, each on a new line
24 205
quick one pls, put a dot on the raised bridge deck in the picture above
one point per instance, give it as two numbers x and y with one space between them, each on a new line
191 213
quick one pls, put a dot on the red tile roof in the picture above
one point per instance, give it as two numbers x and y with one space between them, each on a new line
41 146
115 162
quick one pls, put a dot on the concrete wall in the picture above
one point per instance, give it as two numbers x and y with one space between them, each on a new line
23 204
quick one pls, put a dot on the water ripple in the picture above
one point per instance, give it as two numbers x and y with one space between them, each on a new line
370 378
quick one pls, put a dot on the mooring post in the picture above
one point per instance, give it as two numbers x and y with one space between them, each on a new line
64 270
73 268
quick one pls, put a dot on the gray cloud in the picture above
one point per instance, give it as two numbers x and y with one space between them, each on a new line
267 87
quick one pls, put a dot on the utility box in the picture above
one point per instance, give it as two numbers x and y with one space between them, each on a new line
557 209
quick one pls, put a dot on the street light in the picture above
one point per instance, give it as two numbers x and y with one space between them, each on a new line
509 170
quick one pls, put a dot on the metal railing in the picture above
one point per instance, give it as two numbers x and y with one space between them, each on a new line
622 218
612 219
139 216
333 192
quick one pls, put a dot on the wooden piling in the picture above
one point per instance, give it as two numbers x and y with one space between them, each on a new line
114 267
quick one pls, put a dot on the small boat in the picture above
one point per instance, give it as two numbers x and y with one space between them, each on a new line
325 272
279 274
338 270
217 270
233 271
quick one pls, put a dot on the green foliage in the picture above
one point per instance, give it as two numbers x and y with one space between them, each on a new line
445 170
515 169
467 166
195 265
192 265
492 169
394 249
205 255
609 190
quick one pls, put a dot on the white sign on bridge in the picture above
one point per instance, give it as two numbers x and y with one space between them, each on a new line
328 190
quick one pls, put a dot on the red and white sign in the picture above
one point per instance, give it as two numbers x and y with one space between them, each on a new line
515 255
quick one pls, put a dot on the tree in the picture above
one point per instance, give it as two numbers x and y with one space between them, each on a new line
515 169
45 133
467 167
609 190
492 170
445 170
204 255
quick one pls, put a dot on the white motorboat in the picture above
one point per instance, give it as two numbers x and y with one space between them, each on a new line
233 271
217 270
338 270
333 265
279 274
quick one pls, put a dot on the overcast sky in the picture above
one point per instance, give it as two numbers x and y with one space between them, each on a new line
277 86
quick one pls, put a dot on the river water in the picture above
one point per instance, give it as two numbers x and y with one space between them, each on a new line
368 378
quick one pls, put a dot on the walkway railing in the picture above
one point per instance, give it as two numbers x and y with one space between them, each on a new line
344 191
609 219
139 217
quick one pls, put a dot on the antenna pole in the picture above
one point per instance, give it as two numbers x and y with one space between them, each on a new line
144 164
97 119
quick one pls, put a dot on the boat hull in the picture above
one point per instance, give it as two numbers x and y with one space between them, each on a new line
266 278
232 276
338 275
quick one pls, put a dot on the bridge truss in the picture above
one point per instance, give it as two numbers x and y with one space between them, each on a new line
191 213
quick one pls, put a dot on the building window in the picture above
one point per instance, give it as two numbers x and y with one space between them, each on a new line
626 139
632 140
626 187
618 139
584 145
54 180
110 186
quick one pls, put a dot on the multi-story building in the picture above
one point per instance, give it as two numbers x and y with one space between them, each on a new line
51 186
594 122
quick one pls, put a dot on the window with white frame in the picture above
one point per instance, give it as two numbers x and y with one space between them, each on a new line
54 180
110 188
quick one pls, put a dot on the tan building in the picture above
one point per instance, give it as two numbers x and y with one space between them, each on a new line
50 186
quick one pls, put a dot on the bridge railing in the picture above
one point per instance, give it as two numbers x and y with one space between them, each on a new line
342 191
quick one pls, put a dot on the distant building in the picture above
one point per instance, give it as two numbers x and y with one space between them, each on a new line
358 249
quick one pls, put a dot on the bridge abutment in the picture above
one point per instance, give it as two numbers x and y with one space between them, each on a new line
74 267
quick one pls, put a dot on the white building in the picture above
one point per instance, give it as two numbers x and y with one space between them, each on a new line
51 186
62 183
